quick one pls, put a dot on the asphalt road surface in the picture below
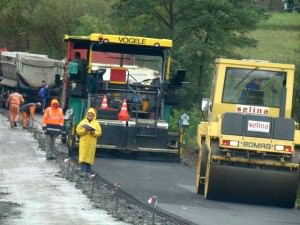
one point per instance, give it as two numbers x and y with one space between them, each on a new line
32 184
173 184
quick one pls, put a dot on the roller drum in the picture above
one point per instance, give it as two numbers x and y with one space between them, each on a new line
252 185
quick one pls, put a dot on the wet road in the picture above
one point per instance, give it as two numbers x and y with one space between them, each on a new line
44 198
173 183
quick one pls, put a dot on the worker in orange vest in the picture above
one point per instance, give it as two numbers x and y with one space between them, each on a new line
28 112
53 121
14 101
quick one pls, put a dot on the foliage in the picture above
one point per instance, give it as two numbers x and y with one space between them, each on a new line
202 30
15 23
196 116
39 25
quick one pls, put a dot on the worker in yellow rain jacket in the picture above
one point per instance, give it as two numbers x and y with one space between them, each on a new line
88 130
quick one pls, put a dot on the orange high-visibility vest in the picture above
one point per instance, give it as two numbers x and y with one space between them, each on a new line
15 98
54 116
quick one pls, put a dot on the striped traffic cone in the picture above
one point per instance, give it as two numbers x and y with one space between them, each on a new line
104 104
123 114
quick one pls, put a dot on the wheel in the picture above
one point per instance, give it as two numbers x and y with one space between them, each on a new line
248 184
203 162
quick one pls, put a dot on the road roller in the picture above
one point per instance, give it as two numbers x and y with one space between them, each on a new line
249 144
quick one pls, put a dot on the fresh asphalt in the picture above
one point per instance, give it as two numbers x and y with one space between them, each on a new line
174 186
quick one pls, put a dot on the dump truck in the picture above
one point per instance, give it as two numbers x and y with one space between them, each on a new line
249 145
125 79
25 71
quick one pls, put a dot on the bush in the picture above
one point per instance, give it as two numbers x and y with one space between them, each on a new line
196 115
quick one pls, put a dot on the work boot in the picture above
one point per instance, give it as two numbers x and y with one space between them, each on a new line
91 176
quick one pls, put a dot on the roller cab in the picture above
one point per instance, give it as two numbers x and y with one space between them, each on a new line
249 145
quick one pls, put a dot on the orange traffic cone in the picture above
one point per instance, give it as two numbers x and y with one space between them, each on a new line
123 114
104 104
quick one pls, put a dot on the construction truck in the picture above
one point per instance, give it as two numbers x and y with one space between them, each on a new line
25 71
249 145
126 80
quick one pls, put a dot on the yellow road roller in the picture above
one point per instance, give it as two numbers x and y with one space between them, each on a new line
249 146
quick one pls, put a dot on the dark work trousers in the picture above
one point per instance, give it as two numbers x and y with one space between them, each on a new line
85 167
50 146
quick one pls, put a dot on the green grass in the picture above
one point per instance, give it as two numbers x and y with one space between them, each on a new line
274 45
281 21
278 39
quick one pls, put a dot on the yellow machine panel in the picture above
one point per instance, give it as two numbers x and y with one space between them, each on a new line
123 39
249 145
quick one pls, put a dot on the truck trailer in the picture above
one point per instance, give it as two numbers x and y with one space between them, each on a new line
25 71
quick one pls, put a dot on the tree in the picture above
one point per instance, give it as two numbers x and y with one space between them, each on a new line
38 26
50 21
15 23
202 30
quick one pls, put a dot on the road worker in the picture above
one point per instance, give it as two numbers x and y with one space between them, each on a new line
88 130
28 112
76 68
53 121
77 73
14 101
44 95
252 93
